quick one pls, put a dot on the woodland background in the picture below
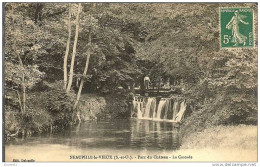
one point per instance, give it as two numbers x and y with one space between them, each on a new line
56 52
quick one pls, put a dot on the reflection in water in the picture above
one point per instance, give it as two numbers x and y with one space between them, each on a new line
128 135
153 135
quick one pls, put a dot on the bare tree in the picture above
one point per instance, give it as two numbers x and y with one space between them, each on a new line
74 50
67 51
84 72
22 102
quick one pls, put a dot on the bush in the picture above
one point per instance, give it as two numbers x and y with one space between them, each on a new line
44 110
223 107
117 107
59 104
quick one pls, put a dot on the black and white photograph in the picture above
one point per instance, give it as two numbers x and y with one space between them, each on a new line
130 82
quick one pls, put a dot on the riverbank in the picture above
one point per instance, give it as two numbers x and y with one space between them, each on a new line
102 107
222 143
46 111
51 110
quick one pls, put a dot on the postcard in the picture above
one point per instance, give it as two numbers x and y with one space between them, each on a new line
130 82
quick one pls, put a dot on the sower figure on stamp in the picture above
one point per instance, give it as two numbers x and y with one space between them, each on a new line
146 82
233 24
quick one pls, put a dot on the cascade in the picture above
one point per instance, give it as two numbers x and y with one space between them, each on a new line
175 110
148 107
165 109
152 108
181 112
160 107
134 107
139 109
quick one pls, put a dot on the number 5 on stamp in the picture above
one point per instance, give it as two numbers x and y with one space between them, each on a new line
236 27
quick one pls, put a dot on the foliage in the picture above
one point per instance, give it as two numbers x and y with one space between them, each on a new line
178 41
117 107
13 75
59 104
221 85
35 119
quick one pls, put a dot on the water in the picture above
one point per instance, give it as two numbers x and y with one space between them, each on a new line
180 113
131 136
163 109
160 107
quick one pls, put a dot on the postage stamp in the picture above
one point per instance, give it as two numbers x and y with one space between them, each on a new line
236 27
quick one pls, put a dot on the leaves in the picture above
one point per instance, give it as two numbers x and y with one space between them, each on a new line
13 75
177 40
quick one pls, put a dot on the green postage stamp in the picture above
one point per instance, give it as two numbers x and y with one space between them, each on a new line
236 27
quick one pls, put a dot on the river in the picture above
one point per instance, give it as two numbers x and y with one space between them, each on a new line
122 139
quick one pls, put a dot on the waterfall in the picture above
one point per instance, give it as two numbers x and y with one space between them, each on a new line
139 110
181 112
175 110
152 108
160 107
149 106
134 107
166 109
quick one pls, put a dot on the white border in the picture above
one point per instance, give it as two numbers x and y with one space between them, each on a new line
127 164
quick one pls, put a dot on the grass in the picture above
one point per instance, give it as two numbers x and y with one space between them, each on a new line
241 136
222 143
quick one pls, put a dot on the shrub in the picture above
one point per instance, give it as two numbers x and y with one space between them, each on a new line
59 104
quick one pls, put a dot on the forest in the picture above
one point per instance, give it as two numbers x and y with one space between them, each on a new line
60 56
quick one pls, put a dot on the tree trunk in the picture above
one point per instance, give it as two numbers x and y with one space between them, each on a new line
67 51
74 51
84 72
20 101
24 93
21 63
38 12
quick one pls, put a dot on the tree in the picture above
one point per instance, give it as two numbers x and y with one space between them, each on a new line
85 71
23 102
74 50
21 34
125 42
67 50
